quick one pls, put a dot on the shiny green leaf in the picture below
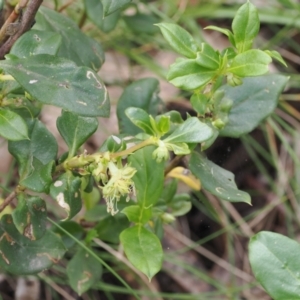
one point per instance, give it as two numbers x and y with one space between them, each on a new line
207 57
216 180
12 126
94 11
250 63
110 6
75 129
76 46
140 119
253 101
188 75
36 42
191 131
245 26
137 214
276 55
35 156
58 81
274 259
149 178
141 23
179 39
143 249
225 31
143 94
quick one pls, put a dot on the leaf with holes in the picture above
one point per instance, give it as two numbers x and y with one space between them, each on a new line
66 191
21 256
30 217
60 82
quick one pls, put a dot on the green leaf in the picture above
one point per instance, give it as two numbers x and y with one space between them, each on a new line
143 249
30 217
141 23
250 63
191 131
21 256
36 42
179 39
66 191
274 259
186 74
76 46
199 102
149 178
94 11
253 101
140 119
137 214
58 81
35 157
216 180
180 205
110 6
208 57
163 124
245 26
109 227
75 129
276 55
71 227
83 271
12 126
143 94
227 32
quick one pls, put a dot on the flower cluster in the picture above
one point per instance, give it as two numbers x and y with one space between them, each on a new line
116 181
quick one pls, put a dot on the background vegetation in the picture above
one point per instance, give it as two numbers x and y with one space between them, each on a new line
206 251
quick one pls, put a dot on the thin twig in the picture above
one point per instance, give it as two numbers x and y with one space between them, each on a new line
25 24
56 287
15 14
6 202
65 6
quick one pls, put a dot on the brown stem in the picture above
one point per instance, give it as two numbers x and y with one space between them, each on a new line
9 198
25 23
66 5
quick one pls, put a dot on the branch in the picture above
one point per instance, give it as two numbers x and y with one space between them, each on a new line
9 198
25 24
